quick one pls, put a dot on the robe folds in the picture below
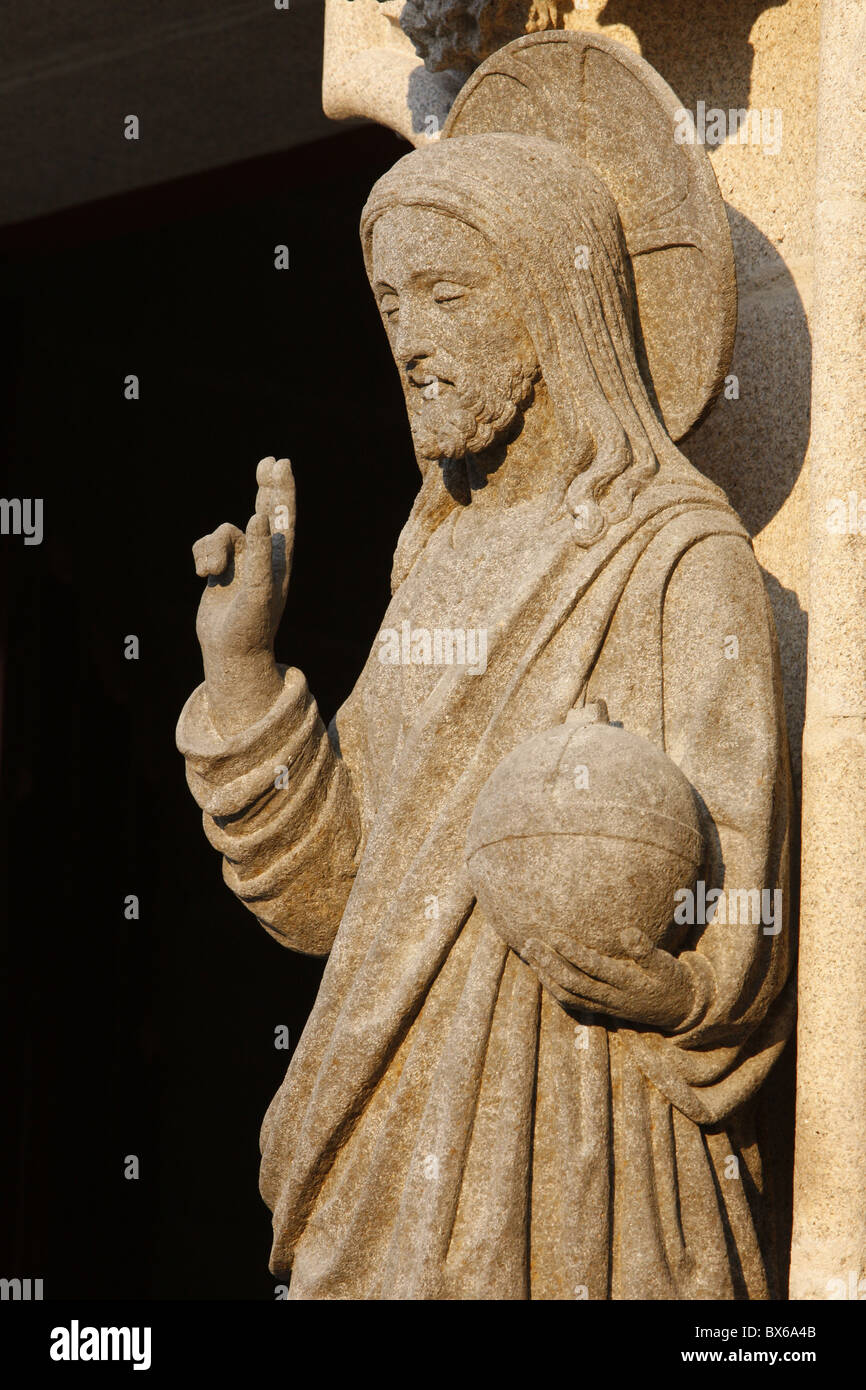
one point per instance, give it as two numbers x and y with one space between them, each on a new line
446 1129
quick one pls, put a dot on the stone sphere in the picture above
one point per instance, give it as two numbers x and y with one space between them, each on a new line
584 830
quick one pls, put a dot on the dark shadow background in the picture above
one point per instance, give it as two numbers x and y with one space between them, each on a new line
156 1037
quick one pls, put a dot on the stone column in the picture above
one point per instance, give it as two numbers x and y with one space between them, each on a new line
829 1246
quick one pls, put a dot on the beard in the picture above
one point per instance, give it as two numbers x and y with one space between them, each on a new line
459 420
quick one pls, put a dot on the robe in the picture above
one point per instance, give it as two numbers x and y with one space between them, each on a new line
446 1129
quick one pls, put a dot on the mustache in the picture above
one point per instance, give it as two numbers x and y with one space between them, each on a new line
428 374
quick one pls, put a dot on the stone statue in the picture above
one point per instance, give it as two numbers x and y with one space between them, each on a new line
508 1088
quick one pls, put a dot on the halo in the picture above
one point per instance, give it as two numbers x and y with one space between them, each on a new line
590 92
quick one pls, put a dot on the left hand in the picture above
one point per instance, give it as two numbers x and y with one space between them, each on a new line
647 986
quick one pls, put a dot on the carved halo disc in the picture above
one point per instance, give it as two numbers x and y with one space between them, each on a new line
588 91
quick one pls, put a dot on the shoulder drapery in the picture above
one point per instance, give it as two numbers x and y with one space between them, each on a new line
439 1132
386 954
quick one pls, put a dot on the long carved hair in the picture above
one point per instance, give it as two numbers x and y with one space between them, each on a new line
554 228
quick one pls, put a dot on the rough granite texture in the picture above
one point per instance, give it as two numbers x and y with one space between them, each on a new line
460 1120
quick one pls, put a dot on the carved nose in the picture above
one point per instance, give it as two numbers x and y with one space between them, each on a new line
411 343
411 349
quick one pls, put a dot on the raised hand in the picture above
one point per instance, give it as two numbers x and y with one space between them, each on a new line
242 604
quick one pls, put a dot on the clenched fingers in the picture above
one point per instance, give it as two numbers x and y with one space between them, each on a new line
213 553
569 985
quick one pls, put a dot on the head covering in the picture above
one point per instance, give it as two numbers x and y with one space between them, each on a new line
554 228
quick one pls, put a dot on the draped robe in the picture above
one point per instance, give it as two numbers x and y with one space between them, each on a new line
447 1129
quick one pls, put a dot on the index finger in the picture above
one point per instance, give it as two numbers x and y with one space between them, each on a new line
276 494
283 495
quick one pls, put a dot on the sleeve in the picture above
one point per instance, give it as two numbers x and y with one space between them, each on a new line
278 804
724 727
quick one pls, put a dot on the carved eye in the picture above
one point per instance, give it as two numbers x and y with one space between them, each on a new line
446 292
389 304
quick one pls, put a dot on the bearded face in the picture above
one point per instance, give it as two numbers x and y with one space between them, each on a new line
452 414
466 362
